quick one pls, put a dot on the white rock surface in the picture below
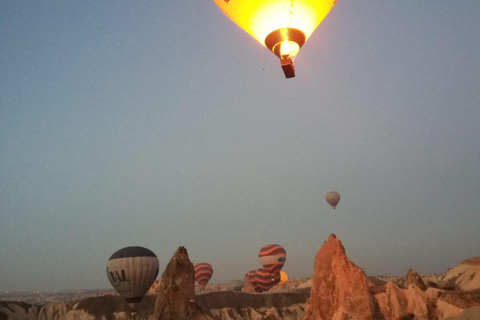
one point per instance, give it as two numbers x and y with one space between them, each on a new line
465 276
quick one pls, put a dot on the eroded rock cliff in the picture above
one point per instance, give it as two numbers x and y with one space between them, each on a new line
340 291
465 276
176 291
339 288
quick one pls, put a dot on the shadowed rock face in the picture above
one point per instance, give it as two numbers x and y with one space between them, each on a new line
339 288
176 292
465 276
235 299
413 278
411 303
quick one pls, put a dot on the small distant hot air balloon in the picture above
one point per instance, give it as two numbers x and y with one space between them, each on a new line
203 273
333 198
132 271
272 257
283 277
282 26
266 280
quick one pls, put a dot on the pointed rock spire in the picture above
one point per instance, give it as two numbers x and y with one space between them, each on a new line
176 292
339 288
413 278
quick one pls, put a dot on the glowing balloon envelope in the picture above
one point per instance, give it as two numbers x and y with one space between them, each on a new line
333 198
283 277
251 276
203 273
266 280
272 257
282 26
132 271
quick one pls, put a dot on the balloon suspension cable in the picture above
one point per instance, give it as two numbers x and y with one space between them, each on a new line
287 66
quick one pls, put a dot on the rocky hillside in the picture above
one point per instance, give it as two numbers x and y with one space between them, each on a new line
338 290
465 276
214 305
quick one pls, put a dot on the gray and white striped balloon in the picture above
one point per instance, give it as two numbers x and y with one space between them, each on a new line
132 271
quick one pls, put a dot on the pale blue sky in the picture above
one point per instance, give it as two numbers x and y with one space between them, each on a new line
161 124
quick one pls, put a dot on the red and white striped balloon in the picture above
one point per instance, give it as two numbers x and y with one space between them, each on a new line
203 273
272 257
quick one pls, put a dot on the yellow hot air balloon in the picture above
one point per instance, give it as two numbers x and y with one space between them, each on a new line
282 26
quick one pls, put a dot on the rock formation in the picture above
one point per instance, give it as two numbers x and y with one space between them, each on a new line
176 290
411 303
18 311
253 306
154 288
340 291
339 288
215 305
247 285
465 276
414 279
469 314
235 285
451 303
